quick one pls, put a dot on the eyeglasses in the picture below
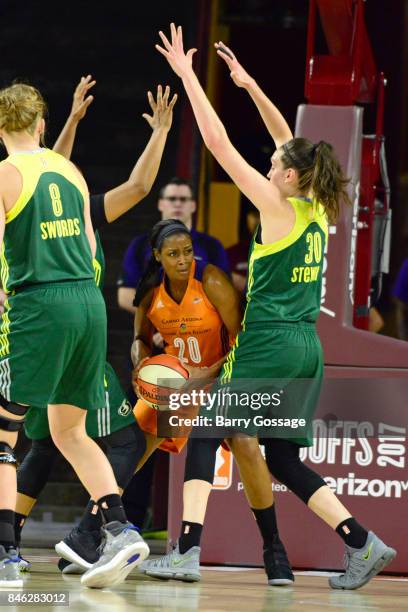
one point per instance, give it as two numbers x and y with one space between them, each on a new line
175 198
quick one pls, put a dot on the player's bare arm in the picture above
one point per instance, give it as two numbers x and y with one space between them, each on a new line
80 104
87 210
122 198
223 295
143 332
2 220
251 182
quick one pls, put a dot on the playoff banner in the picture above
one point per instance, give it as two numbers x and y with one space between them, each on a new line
360 449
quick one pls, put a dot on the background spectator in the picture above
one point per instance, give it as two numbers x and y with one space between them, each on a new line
176 201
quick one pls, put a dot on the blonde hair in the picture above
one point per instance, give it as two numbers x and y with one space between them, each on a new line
21 106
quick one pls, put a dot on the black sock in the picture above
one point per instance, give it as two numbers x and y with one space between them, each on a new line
266 521
190 536
112 508
352 533
19 522
7 538
91 519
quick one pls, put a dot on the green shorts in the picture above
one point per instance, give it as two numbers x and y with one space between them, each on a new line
270 383
117 413
53 345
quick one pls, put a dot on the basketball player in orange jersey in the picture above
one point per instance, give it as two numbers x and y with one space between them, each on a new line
195 308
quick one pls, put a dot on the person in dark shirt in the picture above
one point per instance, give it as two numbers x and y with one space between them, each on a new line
176 201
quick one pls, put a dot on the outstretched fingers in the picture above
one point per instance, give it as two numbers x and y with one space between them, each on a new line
180 37
222 47
226 54
166 96
151 100
172 102
174 35
85 84
159 98
165 41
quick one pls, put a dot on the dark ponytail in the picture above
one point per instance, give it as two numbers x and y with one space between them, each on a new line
152 275
319 172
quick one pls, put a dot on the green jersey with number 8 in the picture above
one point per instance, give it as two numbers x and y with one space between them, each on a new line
49 214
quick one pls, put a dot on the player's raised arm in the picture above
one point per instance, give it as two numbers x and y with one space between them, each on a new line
255 186
120 199
80 104
273 119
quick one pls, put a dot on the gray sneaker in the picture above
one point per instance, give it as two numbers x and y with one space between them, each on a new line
362 564
10 576
122 550
175 565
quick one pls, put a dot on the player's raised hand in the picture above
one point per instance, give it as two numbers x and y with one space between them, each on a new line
81 101
162 109
238 74
180 62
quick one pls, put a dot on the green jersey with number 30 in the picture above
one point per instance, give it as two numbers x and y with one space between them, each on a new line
285 277
44 238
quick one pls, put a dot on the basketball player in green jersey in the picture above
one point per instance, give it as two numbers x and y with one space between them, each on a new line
53 331
114 423
302 192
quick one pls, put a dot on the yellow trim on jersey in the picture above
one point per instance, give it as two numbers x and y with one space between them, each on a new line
228 365
5 271
248 291
305 216
4 331
31 166
98 271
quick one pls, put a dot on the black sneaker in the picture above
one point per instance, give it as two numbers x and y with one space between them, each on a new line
277 566
80 547
66 567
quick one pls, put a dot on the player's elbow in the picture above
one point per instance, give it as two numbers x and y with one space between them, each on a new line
216 140
125 299
138 189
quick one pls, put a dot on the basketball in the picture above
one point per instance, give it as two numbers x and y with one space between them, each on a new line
159 377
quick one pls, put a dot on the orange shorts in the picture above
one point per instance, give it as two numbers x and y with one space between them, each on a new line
147 420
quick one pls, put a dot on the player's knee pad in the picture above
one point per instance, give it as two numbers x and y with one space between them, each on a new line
8 423
125 448
282 458
200 461
7 454
44 447
35 469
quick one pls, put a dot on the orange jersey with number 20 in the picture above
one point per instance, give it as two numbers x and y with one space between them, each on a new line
193 330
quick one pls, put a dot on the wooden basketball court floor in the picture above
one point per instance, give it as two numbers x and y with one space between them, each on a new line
221 589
